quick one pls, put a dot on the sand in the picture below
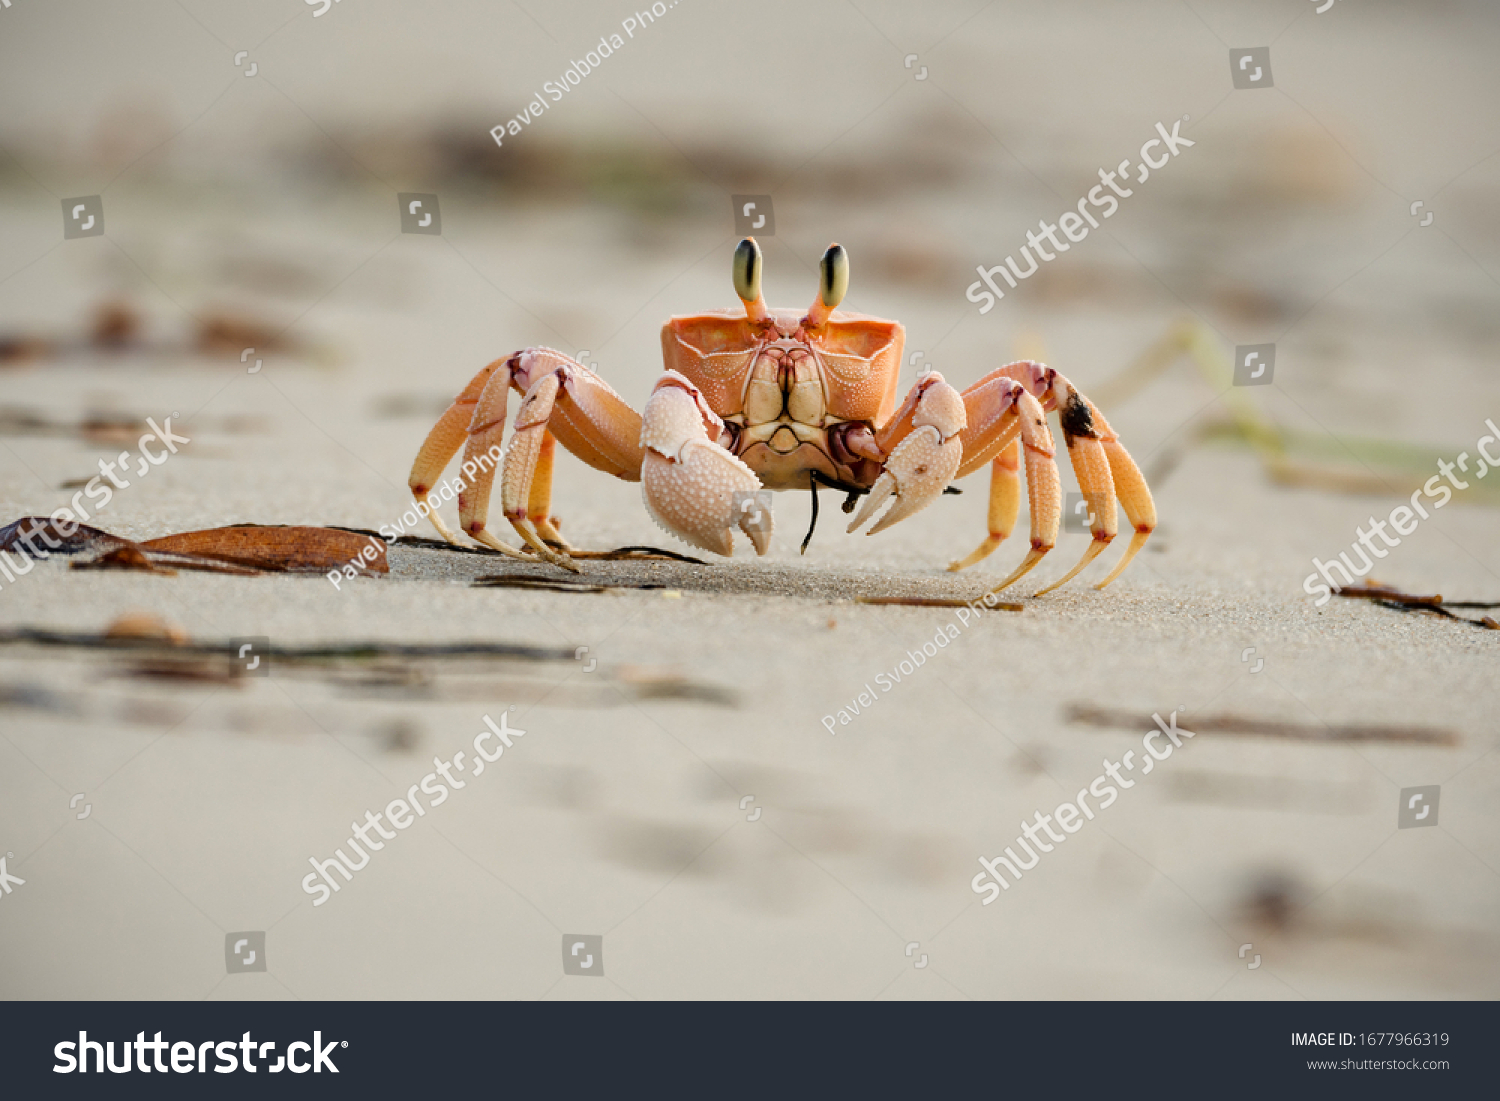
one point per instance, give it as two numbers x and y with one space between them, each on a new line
677 790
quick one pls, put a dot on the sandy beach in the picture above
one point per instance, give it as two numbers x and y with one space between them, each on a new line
686 788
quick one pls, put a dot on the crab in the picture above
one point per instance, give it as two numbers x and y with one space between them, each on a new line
761 398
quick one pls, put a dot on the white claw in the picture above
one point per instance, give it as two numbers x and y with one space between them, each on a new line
924 463
916 473
884 486
692 487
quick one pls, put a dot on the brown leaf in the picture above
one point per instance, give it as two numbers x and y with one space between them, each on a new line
38 535
244 549
278 549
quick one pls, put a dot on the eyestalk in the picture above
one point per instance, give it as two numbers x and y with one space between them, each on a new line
747 264
833 284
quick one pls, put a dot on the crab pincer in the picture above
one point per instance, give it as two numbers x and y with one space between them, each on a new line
690 484
923 463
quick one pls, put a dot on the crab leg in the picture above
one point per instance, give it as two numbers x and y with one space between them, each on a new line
486 430
567 401
1130 484
1090 440
998 409
1091 466
1092 470
448 435
539 500
1005 501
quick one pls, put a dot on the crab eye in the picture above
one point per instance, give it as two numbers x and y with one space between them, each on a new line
747 270
833 272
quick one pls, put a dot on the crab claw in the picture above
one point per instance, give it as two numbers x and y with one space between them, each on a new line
922 465
692 487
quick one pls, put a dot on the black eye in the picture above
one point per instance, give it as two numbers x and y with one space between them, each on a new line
833 271
747 270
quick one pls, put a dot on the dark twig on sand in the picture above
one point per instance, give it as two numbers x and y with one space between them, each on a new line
620 554
555 584
1267 728
636 554
937 602
1409 602
344 651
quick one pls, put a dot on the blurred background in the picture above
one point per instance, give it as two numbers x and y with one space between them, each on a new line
253 281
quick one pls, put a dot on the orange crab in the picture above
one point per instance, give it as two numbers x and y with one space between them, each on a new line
778 399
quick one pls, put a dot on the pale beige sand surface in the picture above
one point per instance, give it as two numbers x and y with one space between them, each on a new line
629 808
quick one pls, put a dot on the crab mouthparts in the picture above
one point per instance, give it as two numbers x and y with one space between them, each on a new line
784 441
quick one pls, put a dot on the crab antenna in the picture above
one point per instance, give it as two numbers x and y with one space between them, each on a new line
833 284
747 279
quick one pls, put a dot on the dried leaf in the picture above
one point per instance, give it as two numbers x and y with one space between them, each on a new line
40 536
278 549
243 550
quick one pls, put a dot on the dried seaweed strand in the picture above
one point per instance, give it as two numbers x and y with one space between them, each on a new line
621 554
1487 622
34 636
937 602
1239 724
1396 600
636 554
555 584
